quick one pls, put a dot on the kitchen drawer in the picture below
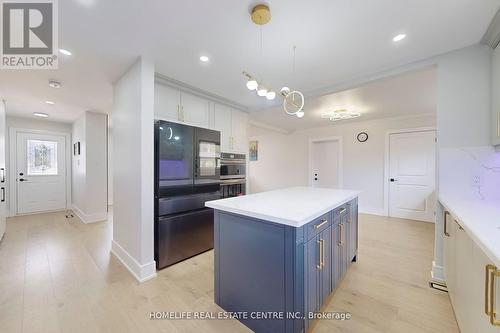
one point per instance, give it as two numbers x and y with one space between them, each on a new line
319 224
338 213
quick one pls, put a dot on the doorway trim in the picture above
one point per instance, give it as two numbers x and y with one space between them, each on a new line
340 163
13 165
387 156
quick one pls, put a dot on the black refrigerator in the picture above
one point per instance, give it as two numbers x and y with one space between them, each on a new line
187 174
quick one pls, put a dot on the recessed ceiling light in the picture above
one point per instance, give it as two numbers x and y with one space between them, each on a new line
204 59
65 52
50 102
399 37
40 114
54 84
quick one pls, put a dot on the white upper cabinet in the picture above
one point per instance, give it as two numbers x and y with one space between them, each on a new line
222 122
239 121
167 101
178 105
194 110
495 103
233 126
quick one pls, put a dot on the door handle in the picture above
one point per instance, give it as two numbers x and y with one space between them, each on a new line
23 180
319 266
2 175
341 230
445 229
3 194
393 180
490 293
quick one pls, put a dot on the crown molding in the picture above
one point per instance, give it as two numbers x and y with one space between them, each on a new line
492 35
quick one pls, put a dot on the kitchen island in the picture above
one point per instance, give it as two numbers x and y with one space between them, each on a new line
280 254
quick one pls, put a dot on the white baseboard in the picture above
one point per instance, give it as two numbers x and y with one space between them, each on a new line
89 218
142 273
437 273
372 211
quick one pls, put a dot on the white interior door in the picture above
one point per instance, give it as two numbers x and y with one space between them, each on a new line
325 168
41 172
412 175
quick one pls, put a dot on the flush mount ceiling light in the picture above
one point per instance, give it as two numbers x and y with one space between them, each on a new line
399 38
65 52
342 114
40 114
204 58
49 102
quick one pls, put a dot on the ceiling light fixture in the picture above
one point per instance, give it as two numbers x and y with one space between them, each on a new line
55 84
399 38
300 114
65 52
271 95
40 114
204 58
342 114
50 102
261 91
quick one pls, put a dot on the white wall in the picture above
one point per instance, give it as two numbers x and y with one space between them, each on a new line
133 170
32 124
463 117
284 158
89 190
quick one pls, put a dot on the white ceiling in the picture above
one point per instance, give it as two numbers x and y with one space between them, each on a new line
336 40
409 94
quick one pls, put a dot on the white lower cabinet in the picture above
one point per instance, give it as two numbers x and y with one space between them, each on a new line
465 273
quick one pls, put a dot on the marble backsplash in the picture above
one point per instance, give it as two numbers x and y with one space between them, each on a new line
470 172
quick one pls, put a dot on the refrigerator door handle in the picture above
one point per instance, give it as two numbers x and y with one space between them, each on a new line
3 194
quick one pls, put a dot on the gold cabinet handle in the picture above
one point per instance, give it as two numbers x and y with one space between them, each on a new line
341 227
445 229
488 269
342 211
492 312
322 223
322 253
182 113
459 226
319 266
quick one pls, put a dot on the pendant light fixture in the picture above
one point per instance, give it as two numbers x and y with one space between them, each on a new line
293 101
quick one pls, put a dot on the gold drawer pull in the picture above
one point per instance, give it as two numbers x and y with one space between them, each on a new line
445 229
322 223
318 266
459 226
342 211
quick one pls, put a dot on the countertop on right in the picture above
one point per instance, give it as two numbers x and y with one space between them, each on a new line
480 219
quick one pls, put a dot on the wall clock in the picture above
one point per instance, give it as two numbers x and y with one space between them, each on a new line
362 137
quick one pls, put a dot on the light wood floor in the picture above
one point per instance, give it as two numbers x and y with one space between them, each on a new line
57 275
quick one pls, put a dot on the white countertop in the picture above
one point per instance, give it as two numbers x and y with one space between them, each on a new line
481 221
294 206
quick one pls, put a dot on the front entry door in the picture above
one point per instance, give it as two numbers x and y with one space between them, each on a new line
412 179
41 172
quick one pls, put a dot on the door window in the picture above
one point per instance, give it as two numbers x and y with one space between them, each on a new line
41 157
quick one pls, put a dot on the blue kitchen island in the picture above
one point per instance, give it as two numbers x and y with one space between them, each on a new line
279 255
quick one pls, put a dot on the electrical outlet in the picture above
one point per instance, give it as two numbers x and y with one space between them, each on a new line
476 180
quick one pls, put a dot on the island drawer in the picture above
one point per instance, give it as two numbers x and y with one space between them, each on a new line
339 212
319 224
